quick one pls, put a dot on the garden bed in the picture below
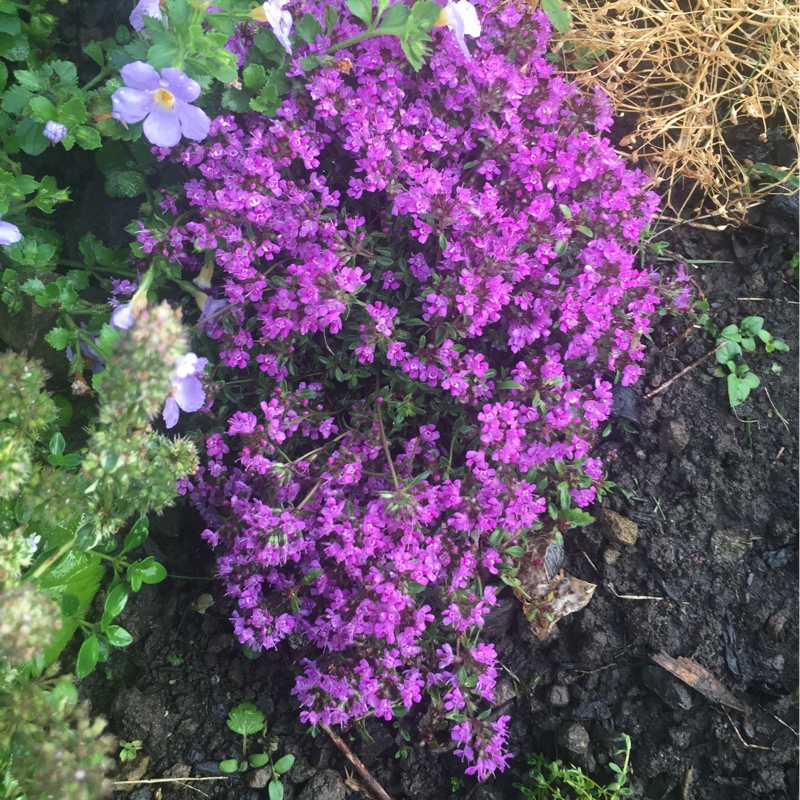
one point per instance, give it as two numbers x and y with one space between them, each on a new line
712 577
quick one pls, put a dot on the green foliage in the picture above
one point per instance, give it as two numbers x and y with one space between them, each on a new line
248 720
553 781
129 751
735 341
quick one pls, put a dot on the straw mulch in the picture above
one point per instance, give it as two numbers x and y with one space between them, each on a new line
689 73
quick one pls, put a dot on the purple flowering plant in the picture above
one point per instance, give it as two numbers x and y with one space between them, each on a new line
419 279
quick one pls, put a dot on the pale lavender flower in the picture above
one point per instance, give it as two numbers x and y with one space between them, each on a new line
145 8
55 131
122 317
9 234
162 101
278 18
462 18
187 391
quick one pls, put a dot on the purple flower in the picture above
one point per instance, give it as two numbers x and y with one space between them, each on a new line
55 131
146 8
9 234
162 101
187 391
280 20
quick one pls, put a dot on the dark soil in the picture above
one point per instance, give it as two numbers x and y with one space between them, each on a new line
712 577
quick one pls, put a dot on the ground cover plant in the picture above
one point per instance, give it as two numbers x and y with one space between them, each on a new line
452 246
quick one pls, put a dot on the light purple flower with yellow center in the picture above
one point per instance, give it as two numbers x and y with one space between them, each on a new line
146 8
54 131
162 101
462 18
9 234
278 18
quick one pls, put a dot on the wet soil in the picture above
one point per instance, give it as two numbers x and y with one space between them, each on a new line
711 577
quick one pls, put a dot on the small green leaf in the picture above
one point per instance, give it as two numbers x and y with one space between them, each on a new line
258 760
95 51
283 764
70 604
395 16
136 535
361 9
560 17
116 601
275 790
118 636
510 385
308 28
59 338
146 571
57 444
245 719
88 656
229 765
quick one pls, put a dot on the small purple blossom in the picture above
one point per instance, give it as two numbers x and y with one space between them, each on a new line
162 101
122 317
54 131
9 233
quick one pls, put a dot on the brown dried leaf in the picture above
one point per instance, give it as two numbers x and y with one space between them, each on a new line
699 678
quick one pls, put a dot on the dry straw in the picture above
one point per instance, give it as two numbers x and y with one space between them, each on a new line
696 76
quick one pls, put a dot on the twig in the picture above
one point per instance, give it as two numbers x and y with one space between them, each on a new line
610 586
780 416
182 781
385 444
691 366
769 299
786 725
590 562
778 455
739 735
371 783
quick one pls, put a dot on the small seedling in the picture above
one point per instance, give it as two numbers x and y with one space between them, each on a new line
247 720
174 660
129 750
737 339
554 781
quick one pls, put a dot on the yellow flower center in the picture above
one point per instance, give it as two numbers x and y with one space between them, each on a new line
258 14
444 18
164 98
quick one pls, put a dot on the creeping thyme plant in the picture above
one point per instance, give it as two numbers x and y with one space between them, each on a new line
408 253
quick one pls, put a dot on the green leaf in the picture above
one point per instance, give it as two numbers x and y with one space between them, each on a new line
118 637
9 23
88 138
221 22
30 79
308 28
275 790
229 765
73 112
421 19
125 183
748 343
136 535
57 444
509 385
514 551
361 9
88 656
560 17
751 325
258 760
246 719
31 136
728 352
70 603
145 571
116 601
731 332
254 76
59 338
283 764
576 517
395 17
95 51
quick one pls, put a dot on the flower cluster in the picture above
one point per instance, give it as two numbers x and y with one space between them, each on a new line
429 283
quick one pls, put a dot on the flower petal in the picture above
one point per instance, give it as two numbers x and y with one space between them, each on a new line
149 8
9 234
122 317
469 15
140 75
189 394
162 128
131 105
171 413
194 121
180 84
